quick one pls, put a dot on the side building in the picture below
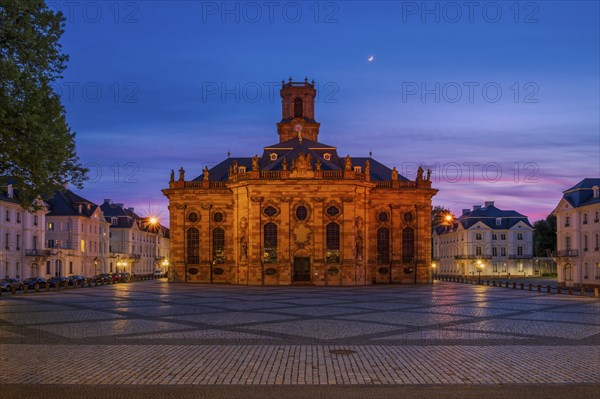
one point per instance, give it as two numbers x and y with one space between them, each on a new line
578 235
76 235
138 245
22 236
484 241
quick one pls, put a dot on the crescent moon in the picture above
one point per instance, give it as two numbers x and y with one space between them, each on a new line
371 58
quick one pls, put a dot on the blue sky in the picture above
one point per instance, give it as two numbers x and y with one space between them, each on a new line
500 99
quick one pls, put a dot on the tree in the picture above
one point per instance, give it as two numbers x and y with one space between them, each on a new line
544 236
37 146
437 215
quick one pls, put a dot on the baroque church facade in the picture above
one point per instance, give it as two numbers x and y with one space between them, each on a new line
300 214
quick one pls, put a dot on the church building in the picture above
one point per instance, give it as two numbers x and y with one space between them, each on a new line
300 213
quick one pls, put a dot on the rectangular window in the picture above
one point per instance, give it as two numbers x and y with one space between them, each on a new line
498 221
494 251
503 236
18 217
519 251
567 221
494 236
7 241
478 236
35 220
48 267
503 251
478 251
71 267
519 236
51 226
495 268
520 267
18 242
8 215
82 246
585 220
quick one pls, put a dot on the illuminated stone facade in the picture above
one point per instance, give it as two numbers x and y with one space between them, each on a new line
300 214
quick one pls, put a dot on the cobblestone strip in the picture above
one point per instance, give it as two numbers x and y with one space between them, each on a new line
301 365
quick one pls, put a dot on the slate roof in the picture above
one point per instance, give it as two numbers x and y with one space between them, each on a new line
66 203
582 193
126 218
486 215
289 150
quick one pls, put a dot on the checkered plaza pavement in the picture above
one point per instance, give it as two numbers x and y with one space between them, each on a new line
156 333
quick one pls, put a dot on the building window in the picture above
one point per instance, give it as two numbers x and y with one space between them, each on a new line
596 191
519 236
478 251
242 169
193 246
8 215
495 268
35 220
498 221
585 242
597 246
332 243
358 169
301 213
383 245
7 241
273 156
585 218
383 217
297 107
71 267
218 245
494 251
270 239
327 157
567 243
494 236
218 217
48 271
478 236
333 211
567 221
520 251
34 242
270 211
596 218
503 251
18 217
18 242
408 245
408 217
51 226
503 236
520 267
113 221
193 217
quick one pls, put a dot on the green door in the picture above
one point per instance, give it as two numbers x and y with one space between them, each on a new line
302 269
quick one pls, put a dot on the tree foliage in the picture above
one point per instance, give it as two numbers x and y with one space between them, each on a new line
437 215
37 147
544 236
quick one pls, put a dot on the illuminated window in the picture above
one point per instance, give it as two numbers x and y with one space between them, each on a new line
332 243
270 240
218 245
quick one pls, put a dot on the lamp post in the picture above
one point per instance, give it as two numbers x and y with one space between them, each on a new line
433 267
480 267
165 265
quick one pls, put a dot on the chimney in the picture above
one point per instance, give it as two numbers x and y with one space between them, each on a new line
120 205
131 210
489 203
10 191
108 201
465 211
476 207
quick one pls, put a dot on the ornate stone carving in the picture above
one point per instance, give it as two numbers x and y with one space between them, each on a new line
394 174
302 234
172 178
284 164
181 174
257 199
318 164
206 173
420 173
359 246
302 163
204 205
347 199
348 163
318 199
367 167
255 163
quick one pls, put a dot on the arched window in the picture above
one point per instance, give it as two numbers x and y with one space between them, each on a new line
298 107
408 244
332 243
383 245
270 243
193 246
218 244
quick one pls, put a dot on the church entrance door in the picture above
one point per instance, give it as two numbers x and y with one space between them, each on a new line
301 269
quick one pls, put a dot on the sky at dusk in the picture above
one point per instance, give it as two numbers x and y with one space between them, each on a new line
499 99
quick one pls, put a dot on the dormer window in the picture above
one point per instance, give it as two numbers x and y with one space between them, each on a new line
113 221
242 169
596 191
327 157
498 221
358 169
273 156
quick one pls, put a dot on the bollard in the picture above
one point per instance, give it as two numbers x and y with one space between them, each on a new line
37 287
548 289
582 292
514 286
25 288
530 287
66 283
14 290
558 290
488 283
522 285
494 283
570 291
596 292
47 287
539 288
74 283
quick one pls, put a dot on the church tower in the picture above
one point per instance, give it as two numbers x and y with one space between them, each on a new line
298 111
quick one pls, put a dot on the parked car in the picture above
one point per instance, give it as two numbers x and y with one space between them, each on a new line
158 273
125 277
57 280
103 278
81 281
116 277
8 284
32 281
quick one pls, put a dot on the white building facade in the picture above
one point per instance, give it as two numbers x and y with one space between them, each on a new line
578 235
484 241
21 237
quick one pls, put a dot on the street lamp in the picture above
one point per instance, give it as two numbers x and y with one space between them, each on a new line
433 266
480 266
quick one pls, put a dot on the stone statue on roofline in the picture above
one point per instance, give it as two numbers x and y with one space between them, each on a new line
172 178
420 173
181 174
367 167
206 173
318 164
394 174
428 174
255 162
348 163
284 164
